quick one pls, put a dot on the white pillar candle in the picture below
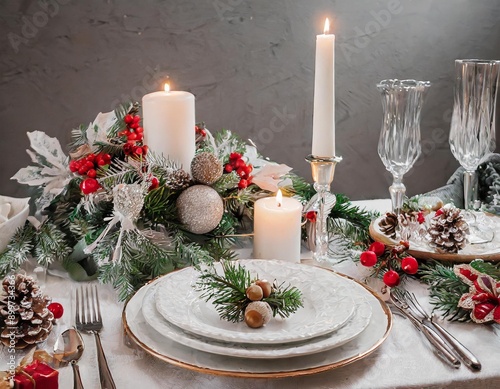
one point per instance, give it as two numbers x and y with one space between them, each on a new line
277 231
169 120
323 144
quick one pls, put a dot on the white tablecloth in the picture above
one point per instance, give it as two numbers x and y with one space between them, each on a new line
404 360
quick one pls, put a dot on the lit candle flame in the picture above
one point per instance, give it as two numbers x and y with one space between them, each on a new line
327 27
279 198
167 87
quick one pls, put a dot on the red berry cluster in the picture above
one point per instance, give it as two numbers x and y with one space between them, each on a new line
388 257
87 166
134 134
243 170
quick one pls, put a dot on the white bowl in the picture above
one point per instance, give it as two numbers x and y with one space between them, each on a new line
17 216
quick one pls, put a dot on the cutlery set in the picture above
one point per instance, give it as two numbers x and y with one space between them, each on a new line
447 347
69 347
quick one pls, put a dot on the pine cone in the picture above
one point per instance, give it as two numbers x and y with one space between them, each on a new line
177 180
448 230
23 312
388 224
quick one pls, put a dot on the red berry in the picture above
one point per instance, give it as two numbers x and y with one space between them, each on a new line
106 157
203 133
74 166
138 150
101 162
235 156
139 130
420 217
89 165
56 309
391 278
91 157
137 119
368 258
248 169
155 183
242 184
82 171
240 163
241 172
228 168
409 265
89 185
134 125
128 119
92 173
145 149
132 136
439 212
378 248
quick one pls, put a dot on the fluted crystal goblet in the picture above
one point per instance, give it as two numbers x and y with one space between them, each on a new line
399 142
472 132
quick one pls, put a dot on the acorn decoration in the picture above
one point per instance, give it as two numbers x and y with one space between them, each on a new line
239 297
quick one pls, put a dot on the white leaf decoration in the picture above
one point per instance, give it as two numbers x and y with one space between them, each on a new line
52 172
97 131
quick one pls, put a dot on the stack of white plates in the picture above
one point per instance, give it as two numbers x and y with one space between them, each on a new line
341 321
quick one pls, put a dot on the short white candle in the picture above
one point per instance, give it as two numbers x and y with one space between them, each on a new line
323 144
169 120
277 231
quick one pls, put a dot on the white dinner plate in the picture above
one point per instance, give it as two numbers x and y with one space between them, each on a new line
356 324
157 345
326 305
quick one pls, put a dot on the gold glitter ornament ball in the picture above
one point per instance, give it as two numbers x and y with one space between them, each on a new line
200 209
206 168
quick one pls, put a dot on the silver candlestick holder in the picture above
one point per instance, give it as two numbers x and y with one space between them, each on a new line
323 170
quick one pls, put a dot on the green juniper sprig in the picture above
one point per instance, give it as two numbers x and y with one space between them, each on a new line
228 292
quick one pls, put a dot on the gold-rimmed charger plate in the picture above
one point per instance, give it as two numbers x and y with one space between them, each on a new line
488 252
153 343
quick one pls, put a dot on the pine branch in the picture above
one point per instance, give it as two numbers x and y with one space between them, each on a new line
488 268
78 137
18 250
51 245
445 289
119 172
228 292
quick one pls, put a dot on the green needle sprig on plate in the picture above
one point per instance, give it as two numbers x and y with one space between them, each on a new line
227 291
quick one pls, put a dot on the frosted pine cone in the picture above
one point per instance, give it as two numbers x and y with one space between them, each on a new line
448 230
23 312
388 224
177 180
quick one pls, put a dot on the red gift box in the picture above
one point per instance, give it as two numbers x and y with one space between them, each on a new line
37 375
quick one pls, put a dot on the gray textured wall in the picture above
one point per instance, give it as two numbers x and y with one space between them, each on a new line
249 63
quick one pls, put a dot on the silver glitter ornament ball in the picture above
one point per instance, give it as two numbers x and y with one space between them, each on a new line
206 168
200 209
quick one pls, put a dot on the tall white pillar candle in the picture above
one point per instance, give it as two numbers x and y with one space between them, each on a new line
323 144
169 120
277 228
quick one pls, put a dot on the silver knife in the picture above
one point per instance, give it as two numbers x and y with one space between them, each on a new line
433 337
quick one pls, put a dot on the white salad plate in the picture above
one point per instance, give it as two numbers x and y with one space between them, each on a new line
156 344
327 307
356 324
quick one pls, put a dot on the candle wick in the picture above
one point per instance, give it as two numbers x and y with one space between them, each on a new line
279 205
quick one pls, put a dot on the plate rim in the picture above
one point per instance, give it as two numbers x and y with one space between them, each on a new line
283 374
222 334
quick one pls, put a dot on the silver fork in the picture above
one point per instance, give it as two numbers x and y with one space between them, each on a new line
463 352
88 319
443 351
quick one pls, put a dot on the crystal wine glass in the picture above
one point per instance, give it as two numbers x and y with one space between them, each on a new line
399 142
472 133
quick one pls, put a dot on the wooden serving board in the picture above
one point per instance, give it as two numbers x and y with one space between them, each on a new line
379 236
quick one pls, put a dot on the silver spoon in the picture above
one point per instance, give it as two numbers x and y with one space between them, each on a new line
69 349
